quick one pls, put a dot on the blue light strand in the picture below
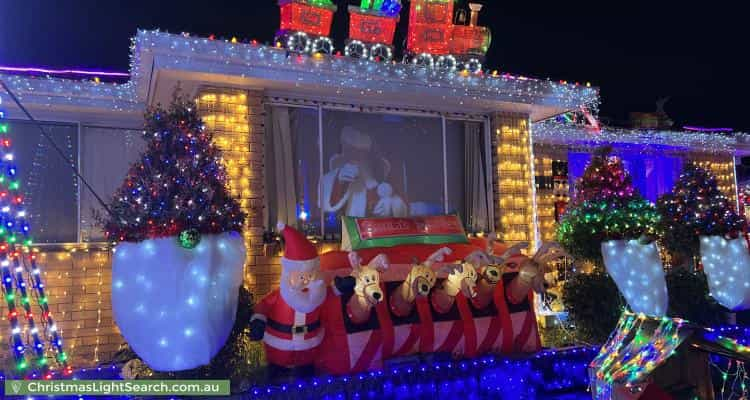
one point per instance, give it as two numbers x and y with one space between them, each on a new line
546 372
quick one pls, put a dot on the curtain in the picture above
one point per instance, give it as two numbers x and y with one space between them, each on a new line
475 184
280 172
106 155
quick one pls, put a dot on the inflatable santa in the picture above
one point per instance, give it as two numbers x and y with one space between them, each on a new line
288 319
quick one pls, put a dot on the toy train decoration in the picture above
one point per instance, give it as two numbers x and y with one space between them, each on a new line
433 40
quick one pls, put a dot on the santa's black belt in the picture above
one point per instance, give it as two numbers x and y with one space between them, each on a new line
278 326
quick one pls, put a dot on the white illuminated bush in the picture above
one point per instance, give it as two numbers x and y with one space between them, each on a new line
176 306
727 267
638 272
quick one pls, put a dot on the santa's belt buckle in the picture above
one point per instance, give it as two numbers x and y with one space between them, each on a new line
299 329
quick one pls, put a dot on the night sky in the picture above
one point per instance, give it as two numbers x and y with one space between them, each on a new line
635 51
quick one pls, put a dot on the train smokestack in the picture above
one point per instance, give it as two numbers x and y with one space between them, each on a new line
475 9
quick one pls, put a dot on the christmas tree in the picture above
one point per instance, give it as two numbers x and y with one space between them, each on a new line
606 207
178 187
696 207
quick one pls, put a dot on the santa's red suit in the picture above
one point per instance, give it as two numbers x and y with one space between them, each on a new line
293 332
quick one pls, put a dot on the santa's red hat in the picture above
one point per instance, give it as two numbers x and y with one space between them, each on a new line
299 253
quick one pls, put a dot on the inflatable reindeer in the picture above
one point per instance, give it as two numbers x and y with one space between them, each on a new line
419 282
490 269
480 304
367 291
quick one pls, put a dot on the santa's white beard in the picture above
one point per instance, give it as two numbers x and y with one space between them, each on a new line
304 302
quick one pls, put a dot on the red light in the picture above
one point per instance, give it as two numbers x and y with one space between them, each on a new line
371 28
306 18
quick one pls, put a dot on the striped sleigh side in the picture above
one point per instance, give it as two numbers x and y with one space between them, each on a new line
463 331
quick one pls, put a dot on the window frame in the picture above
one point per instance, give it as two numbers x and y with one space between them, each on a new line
444 117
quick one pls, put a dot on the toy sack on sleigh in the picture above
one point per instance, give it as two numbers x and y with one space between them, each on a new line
397 291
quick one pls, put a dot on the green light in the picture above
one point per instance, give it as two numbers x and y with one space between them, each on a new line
12 239
25 300
62 357
3 128
43 300
10 297
43 361
27 242
14 185
2 178
22 365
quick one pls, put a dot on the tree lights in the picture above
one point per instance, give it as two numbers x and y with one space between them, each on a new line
696 207
177 271
606 207
15 240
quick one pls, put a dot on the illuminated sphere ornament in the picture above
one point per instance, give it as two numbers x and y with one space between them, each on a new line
189 238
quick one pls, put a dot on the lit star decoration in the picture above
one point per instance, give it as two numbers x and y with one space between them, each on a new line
15 259
696 207
606 207
178 184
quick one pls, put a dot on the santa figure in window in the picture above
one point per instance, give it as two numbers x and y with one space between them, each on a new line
288 318
356 182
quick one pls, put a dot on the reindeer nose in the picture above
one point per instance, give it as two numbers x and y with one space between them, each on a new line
377 296
493 273
425 288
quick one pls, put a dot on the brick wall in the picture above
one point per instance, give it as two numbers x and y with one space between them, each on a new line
237 119
78 287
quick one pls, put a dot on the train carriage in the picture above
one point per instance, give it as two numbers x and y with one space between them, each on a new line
306 25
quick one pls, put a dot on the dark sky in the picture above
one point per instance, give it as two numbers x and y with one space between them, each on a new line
635 51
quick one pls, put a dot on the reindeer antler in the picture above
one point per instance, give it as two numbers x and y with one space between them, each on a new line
477 258
491 239
511 251
437 256
549 251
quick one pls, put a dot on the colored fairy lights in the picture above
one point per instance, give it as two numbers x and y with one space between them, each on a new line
15 240
637 347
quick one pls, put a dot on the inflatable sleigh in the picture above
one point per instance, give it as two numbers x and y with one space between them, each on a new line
418 299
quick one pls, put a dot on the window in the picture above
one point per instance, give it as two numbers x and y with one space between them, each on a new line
106 156
372 164
49 185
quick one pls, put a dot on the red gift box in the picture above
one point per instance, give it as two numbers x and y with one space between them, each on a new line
299 16
371 28
470 40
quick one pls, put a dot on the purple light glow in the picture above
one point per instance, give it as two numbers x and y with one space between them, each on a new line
37 70
702 129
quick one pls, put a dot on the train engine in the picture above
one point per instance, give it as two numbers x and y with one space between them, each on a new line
435 41
306 26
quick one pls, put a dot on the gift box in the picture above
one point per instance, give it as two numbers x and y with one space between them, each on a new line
298 15
371 27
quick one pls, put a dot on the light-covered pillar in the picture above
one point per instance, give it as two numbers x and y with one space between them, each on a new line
514 186
236 118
